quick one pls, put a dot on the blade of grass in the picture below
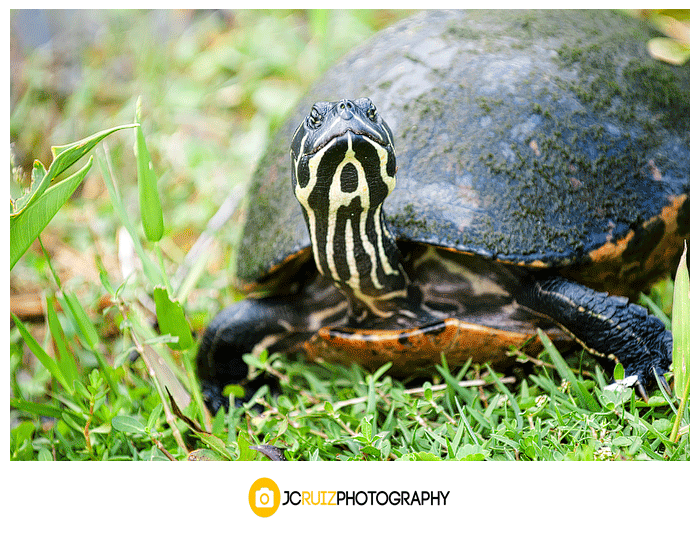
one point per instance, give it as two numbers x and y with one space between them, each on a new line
149 200
44 358
86 329
655 309
680 327
675 430
509 396
160 364
565 372
151 271
35 408
65 359
188 360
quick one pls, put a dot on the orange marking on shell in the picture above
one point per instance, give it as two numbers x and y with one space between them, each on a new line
612 271
409 349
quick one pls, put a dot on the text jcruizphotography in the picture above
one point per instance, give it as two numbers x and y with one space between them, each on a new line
365 498
265 497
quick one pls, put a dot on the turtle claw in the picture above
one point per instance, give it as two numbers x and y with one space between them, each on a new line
642 392
663 383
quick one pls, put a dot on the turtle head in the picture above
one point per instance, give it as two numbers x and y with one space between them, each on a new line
343 168
336 124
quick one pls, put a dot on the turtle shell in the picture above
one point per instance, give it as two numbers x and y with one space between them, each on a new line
544 139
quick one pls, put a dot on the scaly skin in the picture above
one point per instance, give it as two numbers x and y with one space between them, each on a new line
606 325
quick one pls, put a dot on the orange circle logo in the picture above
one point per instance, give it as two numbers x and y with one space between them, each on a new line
264 497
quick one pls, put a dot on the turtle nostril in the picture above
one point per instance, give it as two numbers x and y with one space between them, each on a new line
346 109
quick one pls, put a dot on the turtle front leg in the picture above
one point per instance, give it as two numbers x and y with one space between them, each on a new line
235 331
276 324
605 325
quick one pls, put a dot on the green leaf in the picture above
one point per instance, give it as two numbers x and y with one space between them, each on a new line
680 327
82 390
216 444
104 428
623 441
171 319
244 444
233 389
44 455
366 427
20 440
38 174
371 451
128 424
27 224
64 157
427 391
662 425
104 279
151 210
420 457
35 408
619 372
41 354
153 417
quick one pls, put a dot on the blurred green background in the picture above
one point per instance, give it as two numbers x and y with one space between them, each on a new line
213 84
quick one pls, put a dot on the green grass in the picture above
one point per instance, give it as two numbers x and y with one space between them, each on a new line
91 379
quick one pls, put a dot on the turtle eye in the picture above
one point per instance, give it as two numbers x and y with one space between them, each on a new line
372 112
315 118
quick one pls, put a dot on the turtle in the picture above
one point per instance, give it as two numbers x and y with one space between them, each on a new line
535 176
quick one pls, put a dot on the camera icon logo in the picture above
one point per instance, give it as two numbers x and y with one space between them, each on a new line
264 497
